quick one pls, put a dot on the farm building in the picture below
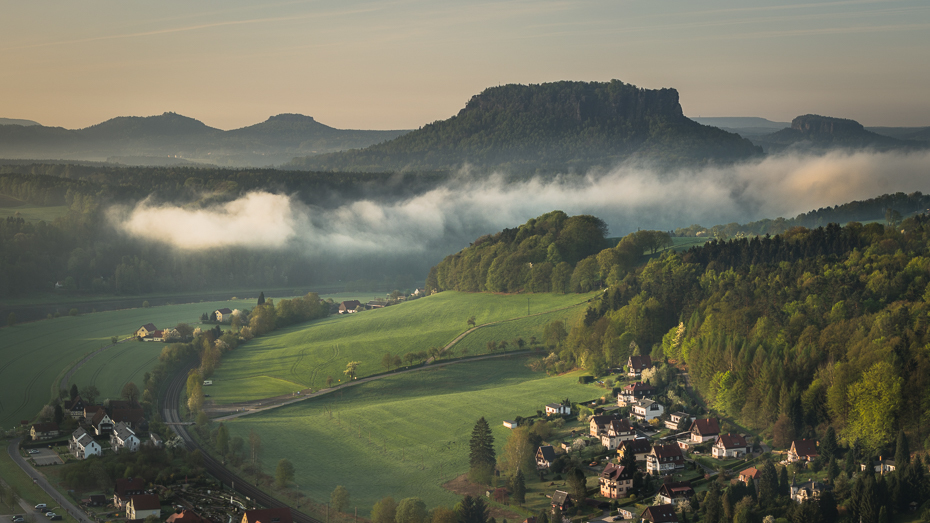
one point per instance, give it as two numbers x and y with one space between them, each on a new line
558 409
350 306
146 330
224 315
41 431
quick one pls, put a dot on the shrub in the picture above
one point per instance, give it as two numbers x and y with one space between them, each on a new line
73 312
145 304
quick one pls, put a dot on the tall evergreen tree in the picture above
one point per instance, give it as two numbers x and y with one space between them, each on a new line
784 486
261 298
828 446
481 456
768 484
73 392
902 452
473 510
711 505
577 484
828 510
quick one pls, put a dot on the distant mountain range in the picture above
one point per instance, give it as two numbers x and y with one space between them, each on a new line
14 121
552 127
173 139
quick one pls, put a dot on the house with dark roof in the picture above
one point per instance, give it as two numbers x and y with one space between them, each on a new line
599 424
82 445
615 480
349 306
43 431
635 392
803 450
125 489
637 364
704 429
142 506
124 438
665 459
563 500
75 407
268 515
647 410
545 455
134 418
223 315
95 500
659 514
101 423
730 446
640 447
675 493
618 430
881 466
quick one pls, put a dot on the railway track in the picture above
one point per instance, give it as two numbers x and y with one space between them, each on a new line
170 401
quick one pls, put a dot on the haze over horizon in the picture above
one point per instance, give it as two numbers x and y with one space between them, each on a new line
402 64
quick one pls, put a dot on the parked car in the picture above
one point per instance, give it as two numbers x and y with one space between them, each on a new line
18 518
33 451
56 517
49 514
41 506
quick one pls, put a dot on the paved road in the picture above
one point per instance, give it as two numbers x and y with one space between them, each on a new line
55 498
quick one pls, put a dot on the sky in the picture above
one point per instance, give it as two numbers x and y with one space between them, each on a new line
400 64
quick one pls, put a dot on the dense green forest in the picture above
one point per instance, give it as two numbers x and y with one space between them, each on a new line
791 334
551 127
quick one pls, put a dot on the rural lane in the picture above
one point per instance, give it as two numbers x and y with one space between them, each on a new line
39 479
261 408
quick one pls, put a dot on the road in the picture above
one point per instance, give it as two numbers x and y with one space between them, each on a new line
55 498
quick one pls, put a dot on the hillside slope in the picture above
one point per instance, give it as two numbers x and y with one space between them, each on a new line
550 127
813 131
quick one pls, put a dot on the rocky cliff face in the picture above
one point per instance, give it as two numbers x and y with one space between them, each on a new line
815 125
812 131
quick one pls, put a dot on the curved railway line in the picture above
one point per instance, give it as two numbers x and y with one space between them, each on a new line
170 400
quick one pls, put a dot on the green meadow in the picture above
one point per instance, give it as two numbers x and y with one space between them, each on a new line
10 206
403 435
34 356
303 356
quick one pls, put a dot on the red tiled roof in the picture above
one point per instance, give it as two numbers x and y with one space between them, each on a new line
751 472
661 514
615 472
804 447
672 450
637 446
640 362
45 427
124 485
185 516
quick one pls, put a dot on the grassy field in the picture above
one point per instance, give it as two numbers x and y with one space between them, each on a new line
34 356
303 356
10 206
403 435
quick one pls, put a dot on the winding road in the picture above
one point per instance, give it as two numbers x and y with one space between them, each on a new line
39 479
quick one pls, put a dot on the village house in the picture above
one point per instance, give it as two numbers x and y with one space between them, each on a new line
268 515
348 307
802 450
677 493
618 430
130 413
101 423
82 446
43 431
678 421
125 489
647 410
881 466
223 315
751 472
599 424
143 506
156 335
558 409
640 447
730 446
809 490
124 438
75 408
156 441
545 455
146 330
704 429
634 392
665 459
562 500
615 481
637 364
510 424
659 514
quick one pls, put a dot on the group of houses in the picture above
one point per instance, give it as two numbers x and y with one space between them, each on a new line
119 423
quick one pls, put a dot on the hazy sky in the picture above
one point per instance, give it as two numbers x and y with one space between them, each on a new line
401 64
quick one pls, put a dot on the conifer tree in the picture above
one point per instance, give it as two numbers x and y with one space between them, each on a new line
473 510
518 486
481 456
261 298
902 452
828 445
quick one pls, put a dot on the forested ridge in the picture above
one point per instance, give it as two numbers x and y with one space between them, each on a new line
790 334
551 127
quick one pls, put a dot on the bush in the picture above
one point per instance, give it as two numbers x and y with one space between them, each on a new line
145 304
73 312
